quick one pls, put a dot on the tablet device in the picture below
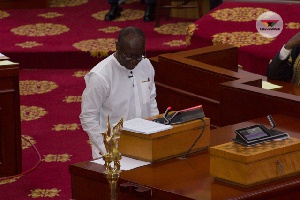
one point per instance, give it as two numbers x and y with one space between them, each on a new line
257 134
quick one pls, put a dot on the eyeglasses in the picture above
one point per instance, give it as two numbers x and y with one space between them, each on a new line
129 59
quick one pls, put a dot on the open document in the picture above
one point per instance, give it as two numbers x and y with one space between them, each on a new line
126 163
139 125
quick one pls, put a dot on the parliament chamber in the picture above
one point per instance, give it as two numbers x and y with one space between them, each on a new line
232 99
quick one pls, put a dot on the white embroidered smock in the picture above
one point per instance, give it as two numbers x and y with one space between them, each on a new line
111 91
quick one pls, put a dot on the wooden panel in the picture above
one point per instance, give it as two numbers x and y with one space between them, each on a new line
10 124
248 166
165 144
189 78
241 102
180 99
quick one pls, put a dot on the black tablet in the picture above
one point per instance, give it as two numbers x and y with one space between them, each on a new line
257 134
252 133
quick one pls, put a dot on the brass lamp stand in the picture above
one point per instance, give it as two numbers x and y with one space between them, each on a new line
112 156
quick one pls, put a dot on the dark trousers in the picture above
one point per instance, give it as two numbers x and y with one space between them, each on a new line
215 3
146 1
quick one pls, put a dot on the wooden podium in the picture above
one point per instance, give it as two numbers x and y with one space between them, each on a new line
10 122
165 144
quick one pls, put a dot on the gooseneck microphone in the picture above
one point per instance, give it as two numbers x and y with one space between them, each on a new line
272 122
167 120
201 133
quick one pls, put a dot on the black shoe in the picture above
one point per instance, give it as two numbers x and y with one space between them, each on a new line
114 12
149 13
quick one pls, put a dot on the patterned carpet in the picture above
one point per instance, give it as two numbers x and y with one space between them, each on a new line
73 34
56 47
50 105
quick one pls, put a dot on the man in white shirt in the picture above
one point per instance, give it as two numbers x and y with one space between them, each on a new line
285 66
120 86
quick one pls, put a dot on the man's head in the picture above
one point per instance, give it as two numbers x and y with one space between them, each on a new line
130 47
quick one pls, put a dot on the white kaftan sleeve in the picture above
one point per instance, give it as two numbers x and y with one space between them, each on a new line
92 99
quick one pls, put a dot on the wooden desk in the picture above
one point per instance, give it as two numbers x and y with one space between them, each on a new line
10 122
185 179
189 78
287 88
240 101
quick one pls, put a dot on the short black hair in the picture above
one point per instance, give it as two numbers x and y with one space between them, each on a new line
130 30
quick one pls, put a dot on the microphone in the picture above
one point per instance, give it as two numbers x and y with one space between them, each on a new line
167 121
272 122
131 74
199 136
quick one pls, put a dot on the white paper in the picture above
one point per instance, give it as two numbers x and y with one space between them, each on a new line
269 86
126 163
6 62
139 125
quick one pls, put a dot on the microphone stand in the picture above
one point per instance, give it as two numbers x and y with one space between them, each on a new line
203 127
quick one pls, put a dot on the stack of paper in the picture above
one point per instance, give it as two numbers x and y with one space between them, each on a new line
139 125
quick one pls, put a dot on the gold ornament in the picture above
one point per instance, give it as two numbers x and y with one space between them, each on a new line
112 155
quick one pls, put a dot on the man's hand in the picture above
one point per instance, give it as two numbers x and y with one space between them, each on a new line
295 40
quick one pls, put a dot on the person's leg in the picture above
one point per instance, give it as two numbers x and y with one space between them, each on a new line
114 12
215 3
150 9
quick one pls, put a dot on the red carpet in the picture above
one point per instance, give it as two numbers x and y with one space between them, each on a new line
235 23
50 106
74 35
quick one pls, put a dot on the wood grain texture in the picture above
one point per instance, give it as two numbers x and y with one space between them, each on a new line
260 163
165 144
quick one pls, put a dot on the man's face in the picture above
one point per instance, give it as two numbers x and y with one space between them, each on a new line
131 52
